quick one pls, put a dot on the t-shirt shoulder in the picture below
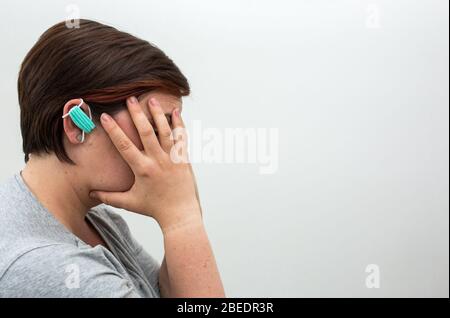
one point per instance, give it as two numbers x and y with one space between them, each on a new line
106 215
61 270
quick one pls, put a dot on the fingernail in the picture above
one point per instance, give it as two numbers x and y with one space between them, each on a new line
133 100
154 102
177 112
105 118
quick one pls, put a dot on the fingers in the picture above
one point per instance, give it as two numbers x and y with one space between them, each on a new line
164 130
145 129
179 130
177 121
124 145
179 153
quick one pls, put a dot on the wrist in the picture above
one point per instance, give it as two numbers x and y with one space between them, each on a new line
192 220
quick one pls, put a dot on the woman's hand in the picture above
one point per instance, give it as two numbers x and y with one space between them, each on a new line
164 185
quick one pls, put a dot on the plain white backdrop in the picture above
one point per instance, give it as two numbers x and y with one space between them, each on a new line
358 91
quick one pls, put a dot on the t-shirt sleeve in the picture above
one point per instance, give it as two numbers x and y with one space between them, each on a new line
60 271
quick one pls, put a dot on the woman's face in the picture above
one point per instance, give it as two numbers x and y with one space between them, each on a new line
104 166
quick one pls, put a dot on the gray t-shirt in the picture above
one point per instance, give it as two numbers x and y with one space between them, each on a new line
40 257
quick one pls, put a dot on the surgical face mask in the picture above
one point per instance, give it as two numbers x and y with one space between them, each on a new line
80 119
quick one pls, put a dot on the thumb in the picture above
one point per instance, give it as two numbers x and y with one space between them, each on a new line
115 199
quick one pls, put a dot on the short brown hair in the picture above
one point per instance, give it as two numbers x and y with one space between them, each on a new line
96 62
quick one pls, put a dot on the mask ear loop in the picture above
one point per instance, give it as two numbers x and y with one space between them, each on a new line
79 106
90 117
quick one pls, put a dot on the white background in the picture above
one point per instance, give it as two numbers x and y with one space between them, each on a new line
359 93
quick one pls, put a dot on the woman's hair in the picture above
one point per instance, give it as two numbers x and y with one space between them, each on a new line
95 62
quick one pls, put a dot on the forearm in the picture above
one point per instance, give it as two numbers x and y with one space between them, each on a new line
189 268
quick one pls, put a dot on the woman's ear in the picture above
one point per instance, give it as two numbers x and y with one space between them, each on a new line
73 133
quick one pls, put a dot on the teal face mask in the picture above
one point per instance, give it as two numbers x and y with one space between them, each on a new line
80 119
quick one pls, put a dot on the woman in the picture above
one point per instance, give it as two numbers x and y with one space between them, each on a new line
58 236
